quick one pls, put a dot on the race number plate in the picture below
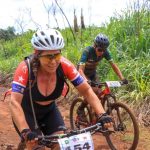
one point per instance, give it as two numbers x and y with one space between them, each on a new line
113 83
77 142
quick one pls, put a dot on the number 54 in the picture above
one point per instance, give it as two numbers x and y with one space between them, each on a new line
86 146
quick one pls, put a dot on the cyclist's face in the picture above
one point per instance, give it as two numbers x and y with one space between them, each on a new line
99 51
50 60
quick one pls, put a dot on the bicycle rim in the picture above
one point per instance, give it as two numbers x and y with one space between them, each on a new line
74 119
126 128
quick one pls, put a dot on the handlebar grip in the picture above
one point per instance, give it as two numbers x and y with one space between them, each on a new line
96 84
124 81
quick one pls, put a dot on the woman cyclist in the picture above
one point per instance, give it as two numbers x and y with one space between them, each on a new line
39 81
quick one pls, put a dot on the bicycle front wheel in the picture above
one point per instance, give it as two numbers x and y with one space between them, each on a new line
75 121
126 128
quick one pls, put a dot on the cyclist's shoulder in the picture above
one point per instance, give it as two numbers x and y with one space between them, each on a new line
66 64
21 74
89 48
68 68
108 55
22 67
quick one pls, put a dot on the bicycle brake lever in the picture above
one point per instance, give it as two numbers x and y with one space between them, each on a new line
107 131
73 132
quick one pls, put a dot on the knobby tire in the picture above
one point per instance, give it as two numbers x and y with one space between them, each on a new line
116 106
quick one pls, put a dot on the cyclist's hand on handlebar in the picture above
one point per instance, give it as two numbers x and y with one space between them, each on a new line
105 120
28 135
125 81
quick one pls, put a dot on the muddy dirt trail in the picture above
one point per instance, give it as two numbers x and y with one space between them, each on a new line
9 138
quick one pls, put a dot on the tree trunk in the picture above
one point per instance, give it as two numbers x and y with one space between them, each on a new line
76 28
82 20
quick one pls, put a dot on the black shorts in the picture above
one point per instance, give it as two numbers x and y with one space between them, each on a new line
48 118
93 77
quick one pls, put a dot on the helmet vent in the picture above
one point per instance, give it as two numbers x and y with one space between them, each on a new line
52 38
57 40
42 33
61 42
47 41
56 32
37 44
42 42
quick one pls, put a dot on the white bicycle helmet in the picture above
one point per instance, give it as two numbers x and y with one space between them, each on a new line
49 39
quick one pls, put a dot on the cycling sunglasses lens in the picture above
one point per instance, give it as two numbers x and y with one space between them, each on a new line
55 56
50 57
100 49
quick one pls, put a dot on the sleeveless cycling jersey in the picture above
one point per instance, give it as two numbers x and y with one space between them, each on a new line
20 82
91 60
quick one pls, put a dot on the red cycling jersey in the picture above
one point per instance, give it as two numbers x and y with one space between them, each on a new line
21 75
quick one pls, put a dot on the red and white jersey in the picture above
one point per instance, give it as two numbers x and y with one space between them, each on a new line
21 75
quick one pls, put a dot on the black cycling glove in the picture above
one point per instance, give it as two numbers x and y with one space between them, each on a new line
28 135
104 118
125 81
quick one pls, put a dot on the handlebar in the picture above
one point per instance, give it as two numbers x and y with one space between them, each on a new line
92 128
50 140
107 83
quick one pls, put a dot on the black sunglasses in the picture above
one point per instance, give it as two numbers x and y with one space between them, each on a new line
99 49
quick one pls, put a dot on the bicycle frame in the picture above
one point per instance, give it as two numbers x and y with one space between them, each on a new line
103 94
106 91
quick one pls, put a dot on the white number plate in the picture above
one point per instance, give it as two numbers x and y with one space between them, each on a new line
77 142
113 83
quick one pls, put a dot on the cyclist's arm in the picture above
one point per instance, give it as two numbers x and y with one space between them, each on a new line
117 70
17 111
114 66
18 86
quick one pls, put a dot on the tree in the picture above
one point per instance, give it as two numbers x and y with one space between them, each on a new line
7 34
76 29
50 8
82 20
